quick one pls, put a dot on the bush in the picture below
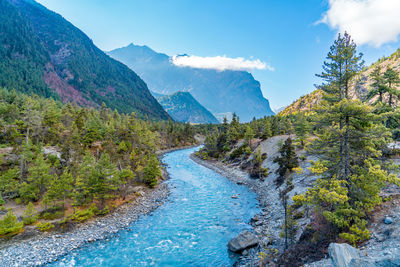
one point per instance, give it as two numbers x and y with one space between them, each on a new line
29 215
242 150
85 214
104 211
45 227
9 225
52 215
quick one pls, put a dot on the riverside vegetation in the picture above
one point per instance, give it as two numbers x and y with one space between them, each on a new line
65 164
349 137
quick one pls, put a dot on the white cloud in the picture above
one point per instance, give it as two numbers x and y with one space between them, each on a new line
374 22
219 63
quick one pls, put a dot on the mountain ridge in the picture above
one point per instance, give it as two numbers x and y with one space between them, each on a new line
183 107
218 91
66 66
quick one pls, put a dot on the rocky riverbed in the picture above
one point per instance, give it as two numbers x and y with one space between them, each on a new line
48 247
384 227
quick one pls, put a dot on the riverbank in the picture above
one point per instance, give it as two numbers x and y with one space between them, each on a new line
268 224
259 224
48 247
38 248
384 223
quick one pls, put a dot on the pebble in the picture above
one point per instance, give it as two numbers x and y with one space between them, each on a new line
388 220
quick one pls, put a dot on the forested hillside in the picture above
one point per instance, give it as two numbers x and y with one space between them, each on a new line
363 86
44 54
181 106
65 162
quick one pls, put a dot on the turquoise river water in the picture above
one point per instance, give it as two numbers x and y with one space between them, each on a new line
192 228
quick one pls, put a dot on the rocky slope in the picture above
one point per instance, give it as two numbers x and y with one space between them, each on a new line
221 92
267 225
359 88
182 106
44 54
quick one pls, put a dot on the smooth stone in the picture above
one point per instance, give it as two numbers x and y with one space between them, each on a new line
388 220
242 241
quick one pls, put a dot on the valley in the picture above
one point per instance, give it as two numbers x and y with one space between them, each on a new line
118 155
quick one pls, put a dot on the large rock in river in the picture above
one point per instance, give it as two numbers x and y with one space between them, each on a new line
242 241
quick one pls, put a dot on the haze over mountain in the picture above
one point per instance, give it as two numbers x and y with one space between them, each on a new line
221 92
182 106
42 53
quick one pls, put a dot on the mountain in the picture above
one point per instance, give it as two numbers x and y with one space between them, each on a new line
182 106
359 88
42 53
221 92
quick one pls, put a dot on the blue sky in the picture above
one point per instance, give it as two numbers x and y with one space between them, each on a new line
283 34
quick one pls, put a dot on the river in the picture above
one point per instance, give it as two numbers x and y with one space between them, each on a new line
192 228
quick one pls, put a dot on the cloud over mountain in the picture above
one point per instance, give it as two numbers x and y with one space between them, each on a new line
373 22
220 63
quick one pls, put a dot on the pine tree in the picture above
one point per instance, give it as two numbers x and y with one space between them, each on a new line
392 80
266 129
104 179
30 214
287 161
152 171
60 188
301 129
378 84
9 225
349 143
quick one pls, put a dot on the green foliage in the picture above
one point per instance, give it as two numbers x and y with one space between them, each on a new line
287 161
152 171
350 140
92 155
257 170
243 150
30 214
85 214
9 225
30 55
45 227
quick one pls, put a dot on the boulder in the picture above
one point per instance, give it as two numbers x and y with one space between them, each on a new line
51 150
242 241
342 254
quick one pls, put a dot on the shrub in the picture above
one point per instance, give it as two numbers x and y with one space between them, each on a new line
85 214
45 227
104 211
29 215
242 150
9 225
52 215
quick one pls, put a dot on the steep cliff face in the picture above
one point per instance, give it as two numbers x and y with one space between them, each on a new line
221 92
181 106
359 89
42 53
